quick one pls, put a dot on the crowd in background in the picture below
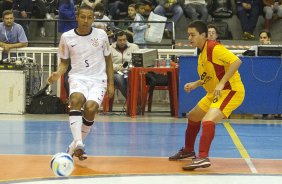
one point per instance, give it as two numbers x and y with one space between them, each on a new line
122 33
248 12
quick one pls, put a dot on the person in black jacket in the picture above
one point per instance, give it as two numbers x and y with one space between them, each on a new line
22 9
115 7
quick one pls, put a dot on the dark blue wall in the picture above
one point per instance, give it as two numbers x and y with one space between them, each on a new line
262 77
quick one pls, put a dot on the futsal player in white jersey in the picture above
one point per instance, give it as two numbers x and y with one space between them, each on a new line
86 49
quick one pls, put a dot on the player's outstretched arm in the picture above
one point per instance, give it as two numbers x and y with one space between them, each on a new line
192 85
63 66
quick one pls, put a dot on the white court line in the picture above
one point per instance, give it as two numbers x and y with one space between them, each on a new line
171 179
242 150
251 165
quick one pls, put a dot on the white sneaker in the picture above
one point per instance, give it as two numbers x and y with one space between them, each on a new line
197 163
48 16
42 32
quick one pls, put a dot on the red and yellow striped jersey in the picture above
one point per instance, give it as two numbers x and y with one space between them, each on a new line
213 62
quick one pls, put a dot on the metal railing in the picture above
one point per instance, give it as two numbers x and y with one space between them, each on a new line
46 58
54 40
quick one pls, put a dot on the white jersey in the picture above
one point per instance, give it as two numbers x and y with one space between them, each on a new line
86 53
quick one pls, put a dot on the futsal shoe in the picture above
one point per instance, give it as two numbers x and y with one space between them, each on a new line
182 154
79 152
197 163
70 151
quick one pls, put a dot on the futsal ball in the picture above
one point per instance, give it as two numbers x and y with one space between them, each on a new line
62 164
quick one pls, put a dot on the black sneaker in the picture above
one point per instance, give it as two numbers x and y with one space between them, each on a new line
182 154
79 152
197 163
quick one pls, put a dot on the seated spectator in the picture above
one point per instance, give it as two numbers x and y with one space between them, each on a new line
42 10
91 3
115 7
169 6
7 5
149 7
213 32
67 19
121 51
108 27
127 26
22 9
196 10
248 13
264 39
12 34
272 10
139 28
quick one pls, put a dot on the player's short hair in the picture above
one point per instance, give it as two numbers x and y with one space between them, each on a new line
6 12
200 26
84 7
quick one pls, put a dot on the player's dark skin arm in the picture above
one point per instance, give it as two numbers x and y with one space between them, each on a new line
63 66
110 75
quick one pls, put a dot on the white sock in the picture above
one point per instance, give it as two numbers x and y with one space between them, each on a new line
75 125
72 145
84 132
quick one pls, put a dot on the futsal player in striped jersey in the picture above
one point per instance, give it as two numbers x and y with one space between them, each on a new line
219 76
87 50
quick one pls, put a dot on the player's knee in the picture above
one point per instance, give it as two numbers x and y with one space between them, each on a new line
76 100
193 116
91 107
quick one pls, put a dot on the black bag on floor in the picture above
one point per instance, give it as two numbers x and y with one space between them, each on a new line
41 103
155 79
47 104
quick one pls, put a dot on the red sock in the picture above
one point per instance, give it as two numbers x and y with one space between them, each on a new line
208 131
192 131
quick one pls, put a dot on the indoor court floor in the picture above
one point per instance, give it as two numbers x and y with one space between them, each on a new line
125 150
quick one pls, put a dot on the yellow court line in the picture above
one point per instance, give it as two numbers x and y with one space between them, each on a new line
236 140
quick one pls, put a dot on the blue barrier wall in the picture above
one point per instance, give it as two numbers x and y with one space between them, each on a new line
262 77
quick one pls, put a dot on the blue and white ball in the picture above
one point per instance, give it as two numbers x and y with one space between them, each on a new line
62 164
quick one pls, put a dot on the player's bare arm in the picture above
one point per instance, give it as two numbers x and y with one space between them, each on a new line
230 72
192 85
110 75
63 66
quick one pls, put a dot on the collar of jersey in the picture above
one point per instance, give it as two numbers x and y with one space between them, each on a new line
84 34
